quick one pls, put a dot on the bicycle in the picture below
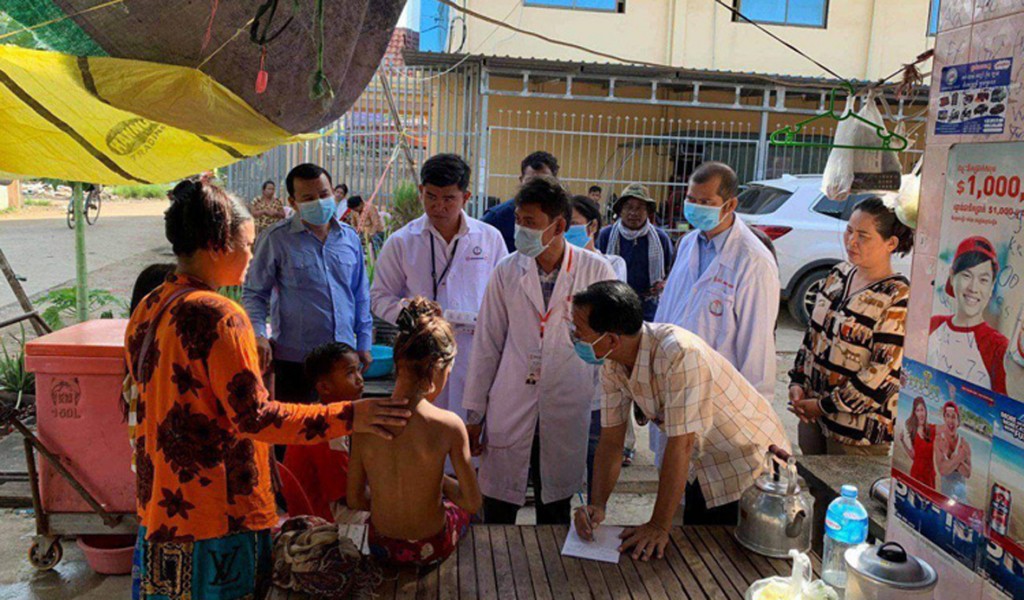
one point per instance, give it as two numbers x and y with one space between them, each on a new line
93 202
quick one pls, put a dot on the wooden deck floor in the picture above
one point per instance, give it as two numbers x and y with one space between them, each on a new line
525 563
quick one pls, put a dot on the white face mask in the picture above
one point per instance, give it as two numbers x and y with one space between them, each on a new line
529 242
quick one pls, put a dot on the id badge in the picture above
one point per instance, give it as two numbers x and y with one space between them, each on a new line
533 368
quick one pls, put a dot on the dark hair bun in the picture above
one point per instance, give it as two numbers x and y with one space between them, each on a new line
202 216
425 339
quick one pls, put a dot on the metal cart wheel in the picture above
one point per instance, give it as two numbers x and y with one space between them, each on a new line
44 560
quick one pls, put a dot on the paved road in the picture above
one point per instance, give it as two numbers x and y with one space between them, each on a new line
44 250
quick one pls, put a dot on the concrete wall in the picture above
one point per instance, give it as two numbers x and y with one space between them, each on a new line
864 39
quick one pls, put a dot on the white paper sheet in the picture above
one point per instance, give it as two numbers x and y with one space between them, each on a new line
604 547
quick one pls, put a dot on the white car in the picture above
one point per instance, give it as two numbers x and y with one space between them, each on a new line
807 229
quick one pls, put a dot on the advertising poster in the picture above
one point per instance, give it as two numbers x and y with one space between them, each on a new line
941 459
1003 559
978 288
973 97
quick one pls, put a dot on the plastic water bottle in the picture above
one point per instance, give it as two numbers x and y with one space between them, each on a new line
846 525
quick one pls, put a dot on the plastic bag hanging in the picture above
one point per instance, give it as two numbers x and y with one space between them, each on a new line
852 170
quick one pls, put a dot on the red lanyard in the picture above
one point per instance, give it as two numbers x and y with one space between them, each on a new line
544 318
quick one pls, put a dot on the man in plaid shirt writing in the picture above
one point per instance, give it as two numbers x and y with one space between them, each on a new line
714 418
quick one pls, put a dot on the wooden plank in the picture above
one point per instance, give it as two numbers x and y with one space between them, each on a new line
736 579
520 563
448 574
541 586
722 569
634 584
388 585
580 583
467 565
553 563
739 557
651 581
617 587
685 561
408 581
760 563
486 586
502 563
427 588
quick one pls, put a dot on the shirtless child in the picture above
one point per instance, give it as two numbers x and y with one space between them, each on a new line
417 513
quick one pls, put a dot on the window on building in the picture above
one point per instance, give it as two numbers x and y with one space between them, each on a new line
933 17
618 6
805 13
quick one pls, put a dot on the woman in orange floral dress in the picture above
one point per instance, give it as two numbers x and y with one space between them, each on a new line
205 423
267 208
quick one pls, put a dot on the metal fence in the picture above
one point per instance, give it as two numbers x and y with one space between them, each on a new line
361 149
446 111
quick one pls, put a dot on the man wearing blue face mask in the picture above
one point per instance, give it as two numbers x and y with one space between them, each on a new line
725 283
315 265
528 396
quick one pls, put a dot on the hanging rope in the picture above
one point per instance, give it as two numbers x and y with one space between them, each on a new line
320 87
263 37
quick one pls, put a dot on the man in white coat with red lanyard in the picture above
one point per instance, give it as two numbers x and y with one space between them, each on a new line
444 255
724 285
528 395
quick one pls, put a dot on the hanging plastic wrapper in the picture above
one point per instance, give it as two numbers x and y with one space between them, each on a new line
851 170
800 585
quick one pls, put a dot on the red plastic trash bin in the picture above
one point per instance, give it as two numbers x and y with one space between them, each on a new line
79 372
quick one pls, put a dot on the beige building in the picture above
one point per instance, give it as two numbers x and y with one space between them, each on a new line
859 39
501 94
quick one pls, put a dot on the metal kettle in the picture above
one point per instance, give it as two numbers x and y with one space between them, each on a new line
775 512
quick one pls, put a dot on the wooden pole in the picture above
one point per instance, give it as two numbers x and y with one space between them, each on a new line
410 160
81 272
19 292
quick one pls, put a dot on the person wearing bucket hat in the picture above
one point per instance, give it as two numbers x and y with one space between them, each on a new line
958 342
646 248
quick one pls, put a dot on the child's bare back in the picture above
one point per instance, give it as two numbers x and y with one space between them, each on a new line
406 474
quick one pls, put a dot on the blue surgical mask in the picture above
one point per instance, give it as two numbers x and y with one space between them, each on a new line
586 351
705 218
529 241
578 236
318 212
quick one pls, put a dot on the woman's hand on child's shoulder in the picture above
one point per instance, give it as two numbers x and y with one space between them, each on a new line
374 415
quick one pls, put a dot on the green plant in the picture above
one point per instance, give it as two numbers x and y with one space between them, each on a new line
37 202
154 190
13 376
61 306
233 292
405 205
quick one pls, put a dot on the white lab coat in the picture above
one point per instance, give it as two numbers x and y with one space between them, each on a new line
732 306
403 271
508 333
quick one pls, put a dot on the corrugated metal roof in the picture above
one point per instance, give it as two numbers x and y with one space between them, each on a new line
583 68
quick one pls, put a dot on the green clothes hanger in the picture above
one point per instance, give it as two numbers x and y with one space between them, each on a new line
786 136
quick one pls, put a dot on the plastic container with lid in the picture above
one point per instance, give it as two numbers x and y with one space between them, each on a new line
887 572
79 372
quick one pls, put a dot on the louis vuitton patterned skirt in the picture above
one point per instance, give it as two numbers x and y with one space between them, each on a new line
234 567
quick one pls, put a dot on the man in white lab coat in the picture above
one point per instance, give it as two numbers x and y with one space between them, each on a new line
444 255
528 395
724 285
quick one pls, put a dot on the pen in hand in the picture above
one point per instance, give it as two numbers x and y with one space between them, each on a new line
586 517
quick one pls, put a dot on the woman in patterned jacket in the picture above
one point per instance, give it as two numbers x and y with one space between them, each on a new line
846 377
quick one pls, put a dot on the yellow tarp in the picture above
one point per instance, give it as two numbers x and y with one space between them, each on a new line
116 121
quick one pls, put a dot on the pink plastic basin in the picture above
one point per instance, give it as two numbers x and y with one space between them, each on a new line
108 554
